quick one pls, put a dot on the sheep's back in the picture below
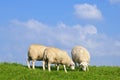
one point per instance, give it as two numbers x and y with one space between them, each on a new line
56 54
36 51
80 54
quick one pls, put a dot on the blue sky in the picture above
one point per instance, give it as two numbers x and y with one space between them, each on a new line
93 24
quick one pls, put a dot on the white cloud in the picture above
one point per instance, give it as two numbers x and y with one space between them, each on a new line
31 24
62 34
87 11
90 29
66 36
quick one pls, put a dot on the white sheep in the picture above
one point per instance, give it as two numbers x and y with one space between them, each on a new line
35 53
56 56
81 56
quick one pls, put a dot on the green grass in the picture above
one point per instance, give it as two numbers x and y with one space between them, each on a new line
14 71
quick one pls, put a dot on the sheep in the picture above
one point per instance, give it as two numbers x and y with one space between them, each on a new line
56 56
81 56
35 53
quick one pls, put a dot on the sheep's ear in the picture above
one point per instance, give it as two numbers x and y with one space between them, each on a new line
72 64
81 64
86 63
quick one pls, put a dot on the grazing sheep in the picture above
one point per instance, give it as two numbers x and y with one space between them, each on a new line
57 56
81 56
35 53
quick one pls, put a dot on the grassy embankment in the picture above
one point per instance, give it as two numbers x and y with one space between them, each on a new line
14 71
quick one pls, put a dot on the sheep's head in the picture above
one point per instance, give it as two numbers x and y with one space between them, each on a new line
72 66
84 65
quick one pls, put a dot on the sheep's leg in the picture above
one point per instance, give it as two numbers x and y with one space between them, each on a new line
57 67
28 62
33 64
80 67
65 68
75 64
49 67
44 65
87 68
